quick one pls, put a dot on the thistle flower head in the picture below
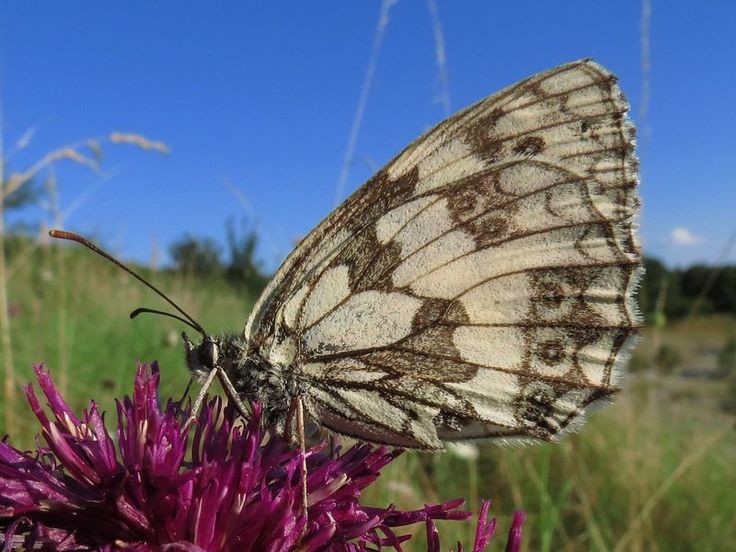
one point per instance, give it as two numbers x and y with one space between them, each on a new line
219 485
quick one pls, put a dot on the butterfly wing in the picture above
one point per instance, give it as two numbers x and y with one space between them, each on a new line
481 285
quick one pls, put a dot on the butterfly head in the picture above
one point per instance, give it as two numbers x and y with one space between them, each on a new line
204 357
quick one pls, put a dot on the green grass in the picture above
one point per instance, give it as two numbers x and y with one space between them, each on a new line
653 472
70 310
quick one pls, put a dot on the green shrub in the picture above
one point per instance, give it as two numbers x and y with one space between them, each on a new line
667 359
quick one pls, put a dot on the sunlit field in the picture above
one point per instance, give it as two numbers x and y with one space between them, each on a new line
201 143
652 472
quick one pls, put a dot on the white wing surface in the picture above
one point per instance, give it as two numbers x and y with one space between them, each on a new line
481 285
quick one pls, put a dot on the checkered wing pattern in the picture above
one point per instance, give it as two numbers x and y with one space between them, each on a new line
481 285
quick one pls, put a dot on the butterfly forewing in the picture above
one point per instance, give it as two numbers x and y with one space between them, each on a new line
481 284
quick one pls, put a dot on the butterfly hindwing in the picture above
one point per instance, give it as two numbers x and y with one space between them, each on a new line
481 284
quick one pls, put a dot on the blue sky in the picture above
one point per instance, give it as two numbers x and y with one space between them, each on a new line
262 96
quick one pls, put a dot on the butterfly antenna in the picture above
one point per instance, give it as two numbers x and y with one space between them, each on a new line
143 310
71 236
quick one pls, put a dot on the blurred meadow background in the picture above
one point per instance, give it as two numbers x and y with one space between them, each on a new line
199 142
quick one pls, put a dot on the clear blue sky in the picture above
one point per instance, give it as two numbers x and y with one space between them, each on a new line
263 95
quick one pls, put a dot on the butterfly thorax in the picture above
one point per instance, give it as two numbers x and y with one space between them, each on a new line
253 377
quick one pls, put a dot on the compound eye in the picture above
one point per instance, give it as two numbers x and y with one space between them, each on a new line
208 354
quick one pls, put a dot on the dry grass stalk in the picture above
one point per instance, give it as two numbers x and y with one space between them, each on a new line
67 153
378 36
138 140
71 152
443 79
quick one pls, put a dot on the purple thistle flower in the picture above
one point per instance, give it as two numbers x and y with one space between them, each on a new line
218 485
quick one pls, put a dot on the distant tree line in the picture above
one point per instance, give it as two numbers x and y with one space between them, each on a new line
697 289
203 257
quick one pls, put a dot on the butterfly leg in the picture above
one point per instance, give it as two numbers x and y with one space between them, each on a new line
296 414
232 394
184 396
299 407
303 449
200 398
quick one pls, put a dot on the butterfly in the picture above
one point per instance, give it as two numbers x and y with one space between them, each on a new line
480 286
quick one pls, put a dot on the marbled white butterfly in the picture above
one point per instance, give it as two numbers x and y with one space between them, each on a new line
480 286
